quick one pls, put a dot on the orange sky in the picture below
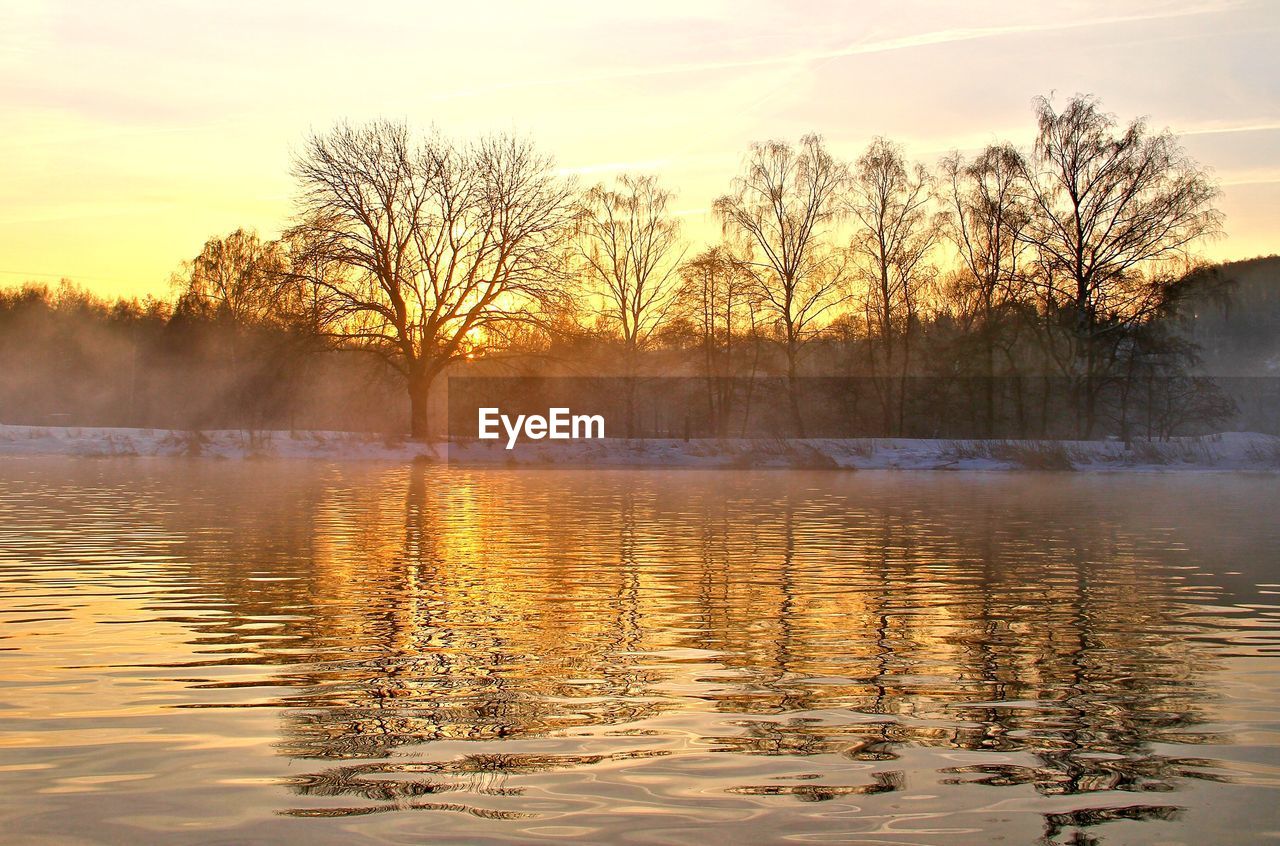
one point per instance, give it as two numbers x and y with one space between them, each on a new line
131 132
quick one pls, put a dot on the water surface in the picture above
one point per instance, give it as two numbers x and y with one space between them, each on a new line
220 652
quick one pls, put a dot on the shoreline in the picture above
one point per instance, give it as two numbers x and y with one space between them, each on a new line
1226 452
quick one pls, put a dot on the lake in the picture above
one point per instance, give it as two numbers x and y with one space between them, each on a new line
200 651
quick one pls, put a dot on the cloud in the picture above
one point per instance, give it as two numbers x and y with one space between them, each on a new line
1219 128
1251 177
861 48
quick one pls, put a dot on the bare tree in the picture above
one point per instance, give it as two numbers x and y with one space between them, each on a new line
722 303
1117 213
631 251
986 214
783 206
430 248
894 230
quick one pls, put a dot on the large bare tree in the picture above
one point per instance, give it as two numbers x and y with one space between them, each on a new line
783 207
1117 213
431 247
894 229
630 252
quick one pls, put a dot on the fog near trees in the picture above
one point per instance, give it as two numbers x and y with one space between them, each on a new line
1037 291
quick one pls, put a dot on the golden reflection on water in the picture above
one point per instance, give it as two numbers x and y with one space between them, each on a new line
637 655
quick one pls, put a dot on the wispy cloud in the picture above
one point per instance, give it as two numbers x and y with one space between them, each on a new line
1251 177
859 48
1219 128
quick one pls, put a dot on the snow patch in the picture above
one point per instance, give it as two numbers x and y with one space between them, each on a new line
1237 451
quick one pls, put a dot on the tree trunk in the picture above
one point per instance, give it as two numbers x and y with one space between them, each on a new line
1092 385
989 391
792 392
751 380
420 406
902 379
631 355
630 391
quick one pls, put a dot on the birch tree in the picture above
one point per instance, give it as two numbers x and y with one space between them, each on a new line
630 252
784 207
1116 215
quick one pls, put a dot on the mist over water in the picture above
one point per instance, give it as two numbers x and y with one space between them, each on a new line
196 651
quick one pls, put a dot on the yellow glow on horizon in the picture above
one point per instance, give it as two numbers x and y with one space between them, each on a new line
134 133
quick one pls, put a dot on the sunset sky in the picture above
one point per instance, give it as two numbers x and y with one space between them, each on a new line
131 132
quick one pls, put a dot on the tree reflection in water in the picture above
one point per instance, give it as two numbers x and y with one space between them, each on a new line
679 618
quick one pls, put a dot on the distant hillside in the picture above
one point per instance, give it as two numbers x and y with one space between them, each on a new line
1239 333
1238 330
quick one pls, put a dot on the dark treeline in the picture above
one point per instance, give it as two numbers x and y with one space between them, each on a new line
67 358
1052 291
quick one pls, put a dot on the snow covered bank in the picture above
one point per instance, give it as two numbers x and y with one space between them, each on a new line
1230 451
222 443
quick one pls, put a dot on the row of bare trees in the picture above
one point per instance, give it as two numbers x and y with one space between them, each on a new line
427 252
1082 242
